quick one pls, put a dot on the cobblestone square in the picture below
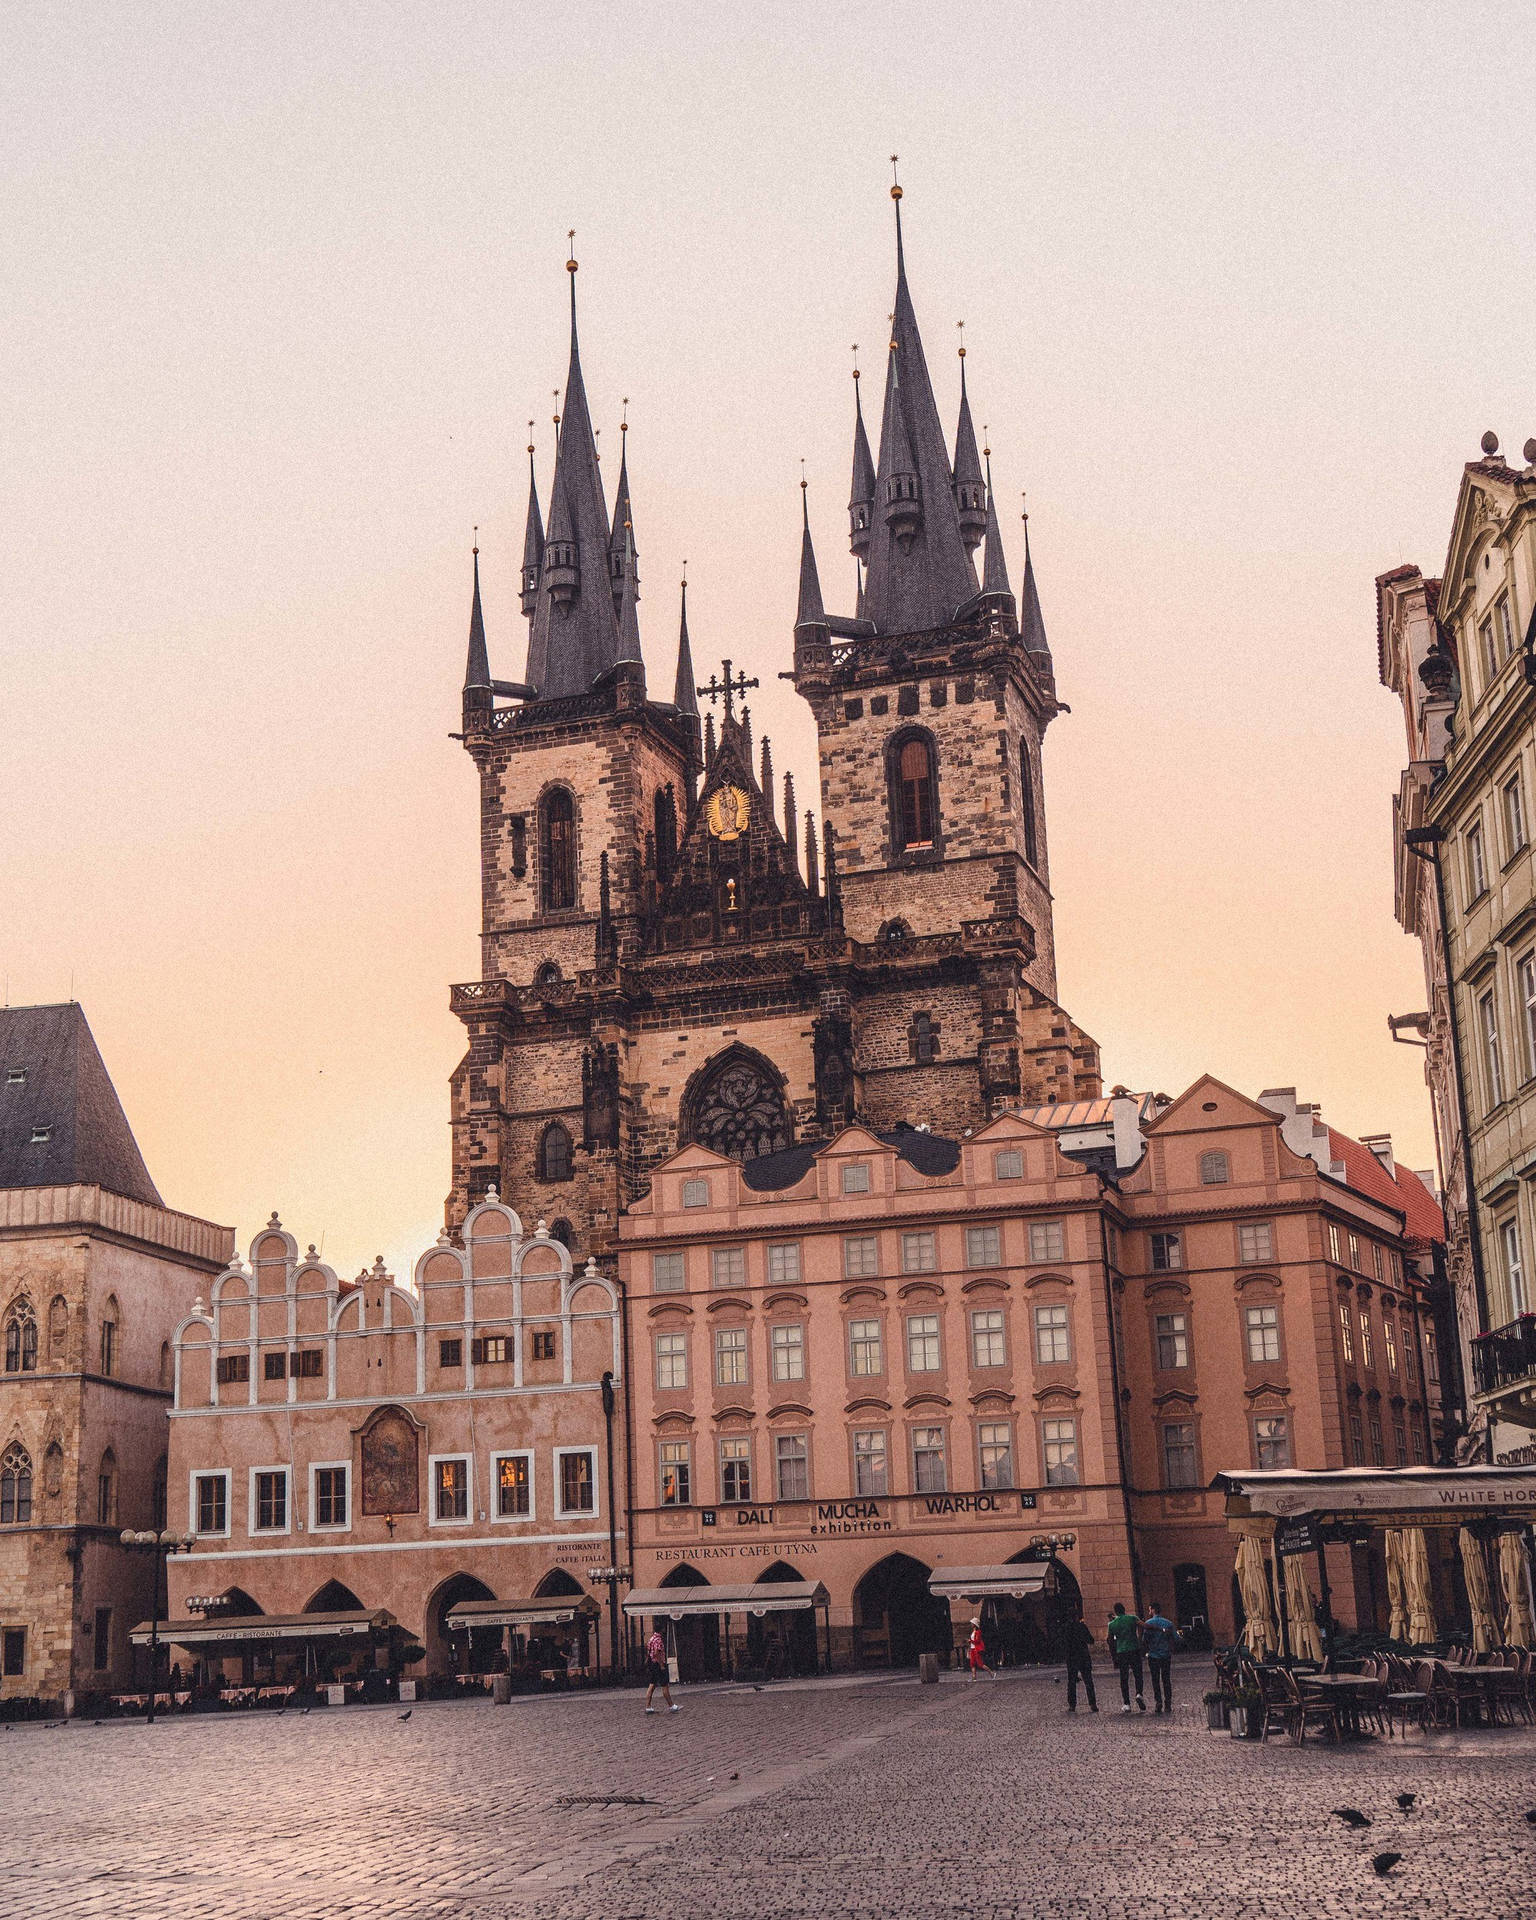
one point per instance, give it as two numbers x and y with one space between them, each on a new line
861 1798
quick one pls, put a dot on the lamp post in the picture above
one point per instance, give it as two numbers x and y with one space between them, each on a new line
162 1545
613 1531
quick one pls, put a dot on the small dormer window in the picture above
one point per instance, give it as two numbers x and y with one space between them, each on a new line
41 1136
695 1193
856 1178
15 1076
1009 1164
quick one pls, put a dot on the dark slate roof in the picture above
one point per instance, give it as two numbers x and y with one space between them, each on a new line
64 1088
930 1153
477 668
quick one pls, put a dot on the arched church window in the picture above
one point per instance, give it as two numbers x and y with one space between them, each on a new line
1027 803
547 976
565 1233
914 792
557 850
924 1040
109 1336
893 932
15 1486
21 1338
106 1490
555 1153
738 1108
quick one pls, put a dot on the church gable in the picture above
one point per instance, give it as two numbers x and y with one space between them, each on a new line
1207 1105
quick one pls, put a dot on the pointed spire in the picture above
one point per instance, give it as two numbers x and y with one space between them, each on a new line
1031 620
765 780
919 570
684 696
533 538
629 616
810 612
812 879
789 820
861 497
709 736
969 490
574 637
621 546
477 668
995 568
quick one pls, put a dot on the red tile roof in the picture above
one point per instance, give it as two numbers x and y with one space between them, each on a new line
1422 1218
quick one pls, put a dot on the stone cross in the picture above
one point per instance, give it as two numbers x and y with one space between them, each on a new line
726 688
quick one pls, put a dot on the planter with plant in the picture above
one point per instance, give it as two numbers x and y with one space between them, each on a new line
1247 1714
1218 1707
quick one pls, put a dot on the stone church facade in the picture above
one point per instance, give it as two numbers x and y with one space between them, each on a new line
670 951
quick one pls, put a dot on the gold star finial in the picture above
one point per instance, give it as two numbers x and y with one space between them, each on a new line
895 180
961 325
570 263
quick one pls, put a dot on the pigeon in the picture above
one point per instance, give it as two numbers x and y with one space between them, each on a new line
407 1714
1385 1862
1352 1817
1531 1816
1406 1800
735 1776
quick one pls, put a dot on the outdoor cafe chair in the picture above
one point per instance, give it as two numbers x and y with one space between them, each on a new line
1508 1688
1276 1695
1449 1693
1405 1700
1301 1707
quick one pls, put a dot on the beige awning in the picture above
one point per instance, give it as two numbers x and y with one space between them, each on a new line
557 1612
1341 1491
678 1603
989 1583
250 1627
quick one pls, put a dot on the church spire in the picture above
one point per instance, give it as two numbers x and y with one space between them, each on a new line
629 616
810 612
970 492
574 637
533 538
1031 621
919 570
477 669
622 554
994 573
861 497
684 697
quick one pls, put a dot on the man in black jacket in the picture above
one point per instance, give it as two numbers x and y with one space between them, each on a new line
1079 1663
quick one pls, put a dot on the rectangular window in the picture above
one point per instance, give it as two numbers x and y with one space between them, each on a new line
307 1365
212 1501
1376 1257
101 1640
1271 1441
923 1343
514 1486
994 1440
1378 1451
13 1651
1053 1336
1514 1266
1490 651
1008 1164
736 1469
861 1256
450 1353
233 1367
728 1267
1255 1242
1167 1253
792 1463
730 1356
1333 1242
1179 1455
1215 1169
1389 1341
1399 1441
676 1467
1263 1325
871 1473
451 1490
1058 1439
919 1253
671 1360
667 1274
1367 1358
1420 1452
1356 1441
1504 626
788 1347
1410 1359
330 1497
576 1477
1345 1337
1527 976
1047 1242
864 1347
983 1247
784 1264
274 1366
856 1178
1514 815
544 1343
988 1348
695 1193
1477 866
493 1350
1172 1331
928 1475
1431 1358
272 1502
1354 1251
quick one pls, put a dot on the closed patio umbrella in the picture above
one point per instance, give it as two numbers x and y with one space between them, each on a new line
1253 1583
1514 1577
1421 1603
1397 1626
1475 1568
1306 1642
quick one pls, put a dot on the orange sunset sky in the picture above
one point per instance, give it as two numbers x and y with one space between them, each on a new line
1242 288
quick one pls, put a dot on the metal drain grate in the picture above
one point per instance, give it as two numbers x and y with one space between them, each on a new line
605 1800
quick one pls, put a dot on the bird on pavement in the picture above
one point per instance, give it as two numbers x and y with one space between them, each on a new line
735 1776
1406 1800
1531 1816
1385 1862
407 1714
1352 1817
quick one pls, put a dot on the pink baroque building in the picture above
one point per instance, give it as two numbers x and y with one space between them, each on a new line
410 1478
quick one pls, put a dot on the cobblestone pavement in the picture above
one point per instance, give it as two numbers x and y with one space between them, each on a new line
860 1798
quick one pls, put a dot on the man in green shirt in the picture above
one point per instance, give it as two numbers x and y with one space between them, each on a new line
1124 1636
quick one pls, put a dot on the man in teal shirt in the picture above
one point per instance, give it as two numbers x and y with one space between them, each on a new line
1161 1636
1124 1636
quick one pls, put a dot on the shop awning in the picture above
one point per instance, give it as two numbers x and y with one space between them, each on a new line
557 1612
678 1603
1450 1491
1016 1582
294 1628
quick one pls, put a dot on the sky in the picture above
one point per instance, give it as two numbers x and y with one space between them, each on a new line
285 283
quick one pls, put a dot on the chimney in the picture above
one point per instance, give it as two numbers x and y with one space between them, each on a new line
1381 1145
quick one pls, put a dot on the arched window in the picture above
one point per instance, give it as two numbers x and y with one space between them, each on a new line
1027 804
736 1106
557 850
15 1486
565 1233
893 932
547 975
555 1153
109 1335
914 793
21 1338
106 1490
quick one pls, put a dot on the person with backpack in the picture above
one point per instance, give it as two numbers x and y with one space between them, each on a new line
656 1672
1161 1637
1080 1662
1124 1636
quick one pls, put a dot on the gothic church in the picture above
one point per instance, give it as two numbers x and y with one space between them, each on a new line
669 952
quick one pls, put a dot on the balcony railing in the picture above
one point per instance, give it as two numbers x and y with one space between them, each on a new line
1505 1357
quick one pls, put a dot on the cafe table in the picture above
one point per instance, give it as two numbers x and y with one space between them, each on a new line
1345 1693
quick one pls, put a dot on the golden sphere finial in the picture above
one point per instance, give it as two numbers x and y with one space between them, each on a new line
895 183
570 264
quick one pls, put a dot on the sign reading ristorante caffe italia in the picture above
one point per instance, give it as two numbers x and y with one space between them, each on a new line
827 1517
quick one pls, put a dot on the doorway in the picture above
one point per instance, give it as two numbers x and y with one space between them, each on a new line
896 1617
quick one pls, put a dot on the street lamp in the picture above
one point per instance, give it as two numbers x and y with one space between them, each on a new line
162 1545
